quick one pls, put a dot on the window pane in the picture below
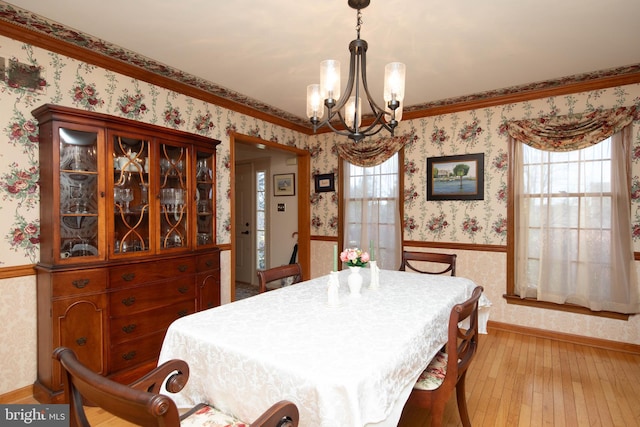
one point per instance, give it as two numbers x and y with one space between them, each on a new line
260 200
354 212
260 220
563 212
356 187
596 212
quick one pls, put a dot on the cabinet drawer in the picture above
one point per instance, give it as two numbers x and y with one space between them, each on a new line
147 322
77 282
134 274
126 302
210 261
131 353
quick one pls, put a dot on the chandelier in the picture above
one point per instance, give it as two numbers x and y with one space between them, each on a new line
347 110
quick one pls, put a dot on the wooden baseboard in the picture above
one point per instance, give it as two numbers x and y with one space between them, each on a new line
16 395
561 336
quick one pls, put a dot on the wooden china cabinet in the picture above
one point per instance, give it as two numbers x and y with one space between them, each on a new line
127 240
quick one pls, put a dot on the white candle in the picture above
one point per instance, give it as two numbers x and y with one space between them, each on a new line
335 257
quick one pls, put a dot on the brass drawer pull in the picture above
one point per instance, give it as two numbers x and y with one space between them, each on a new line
129 356
129 301
128 276
129 328
183 289
80 283
81 341
182 268
182 313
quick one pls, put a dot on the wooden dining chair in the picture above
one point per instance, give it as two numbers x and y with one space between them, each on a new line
140 403
449 261
448 369
290 272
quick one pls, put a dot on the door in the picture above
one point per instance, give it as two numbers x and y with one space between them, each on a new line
245 227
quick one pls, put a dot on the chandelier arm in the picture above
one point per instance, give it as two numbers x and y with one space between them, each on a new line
346 132
375 108
352 72
383 126
378 121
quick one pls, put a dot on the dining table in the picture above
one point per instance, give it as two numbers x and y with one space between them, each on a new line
350 363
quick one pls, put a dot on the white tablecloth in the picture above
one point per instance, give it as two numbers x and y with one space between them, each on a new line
351 365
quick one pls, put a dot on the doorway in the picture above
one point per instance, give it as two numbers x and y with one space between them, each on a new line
283 215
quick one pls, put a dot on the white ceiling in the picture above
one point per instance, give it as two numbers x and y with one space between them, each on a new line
270 50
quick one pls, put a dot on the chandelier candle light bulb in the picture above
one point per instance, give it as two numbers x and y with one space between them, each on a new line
330 78
350 111
314 104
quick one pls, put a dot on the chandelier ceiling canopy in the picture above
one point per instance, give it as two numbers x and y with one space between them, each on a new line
345 111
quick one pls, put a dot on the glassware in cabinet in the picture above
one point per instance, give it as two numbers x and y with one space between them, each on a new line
131 205
78 200
174 203
205 198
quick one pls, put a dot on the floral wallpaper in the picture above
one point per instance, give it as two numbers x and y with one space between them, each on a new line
481 222
65 81
69 82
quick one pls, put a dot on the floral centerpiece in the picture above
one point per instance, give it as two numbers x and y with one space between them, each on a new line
354 257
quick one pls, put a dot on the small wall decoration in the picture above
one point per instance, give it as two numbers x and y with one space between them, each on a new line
284 184
325 183
281 207
456 177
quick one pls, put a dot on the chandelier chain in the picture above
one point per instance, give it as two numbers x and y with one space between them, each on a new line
359 22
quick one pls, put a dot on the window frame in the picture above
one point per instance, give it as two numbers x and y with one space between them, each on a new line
510 295
341 207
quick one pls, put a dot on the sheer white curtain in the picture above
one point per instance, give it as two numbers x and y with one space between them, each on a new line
573 225
372 210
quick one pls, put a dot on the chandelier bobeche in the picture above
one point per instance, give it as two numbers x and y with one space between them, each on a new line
351 117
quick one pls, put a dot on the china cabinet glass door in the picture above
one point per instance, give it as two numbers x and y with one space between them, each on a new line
205 197
131 208
79 186
174 205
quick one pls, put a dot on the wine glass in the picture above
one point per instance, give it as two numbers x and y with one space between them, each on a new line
202 173
76 194
117 197
126 197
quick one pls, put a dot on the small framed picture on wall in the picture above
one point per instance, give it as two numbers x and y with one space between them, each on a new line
325 182
284 184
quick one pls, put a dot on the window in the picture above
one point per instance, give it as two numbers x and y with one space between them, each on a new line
372 211
568 207
571 224
261 220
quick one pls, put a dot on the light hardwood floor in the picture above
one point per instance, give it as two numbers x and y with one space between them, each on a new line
519 380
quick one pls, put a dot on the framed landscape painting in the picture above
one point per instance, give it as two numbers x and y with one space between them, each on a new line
284 184
456 177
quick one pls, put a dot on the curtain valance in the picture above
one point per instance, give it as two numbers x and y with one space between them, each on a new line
571 132
373 153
